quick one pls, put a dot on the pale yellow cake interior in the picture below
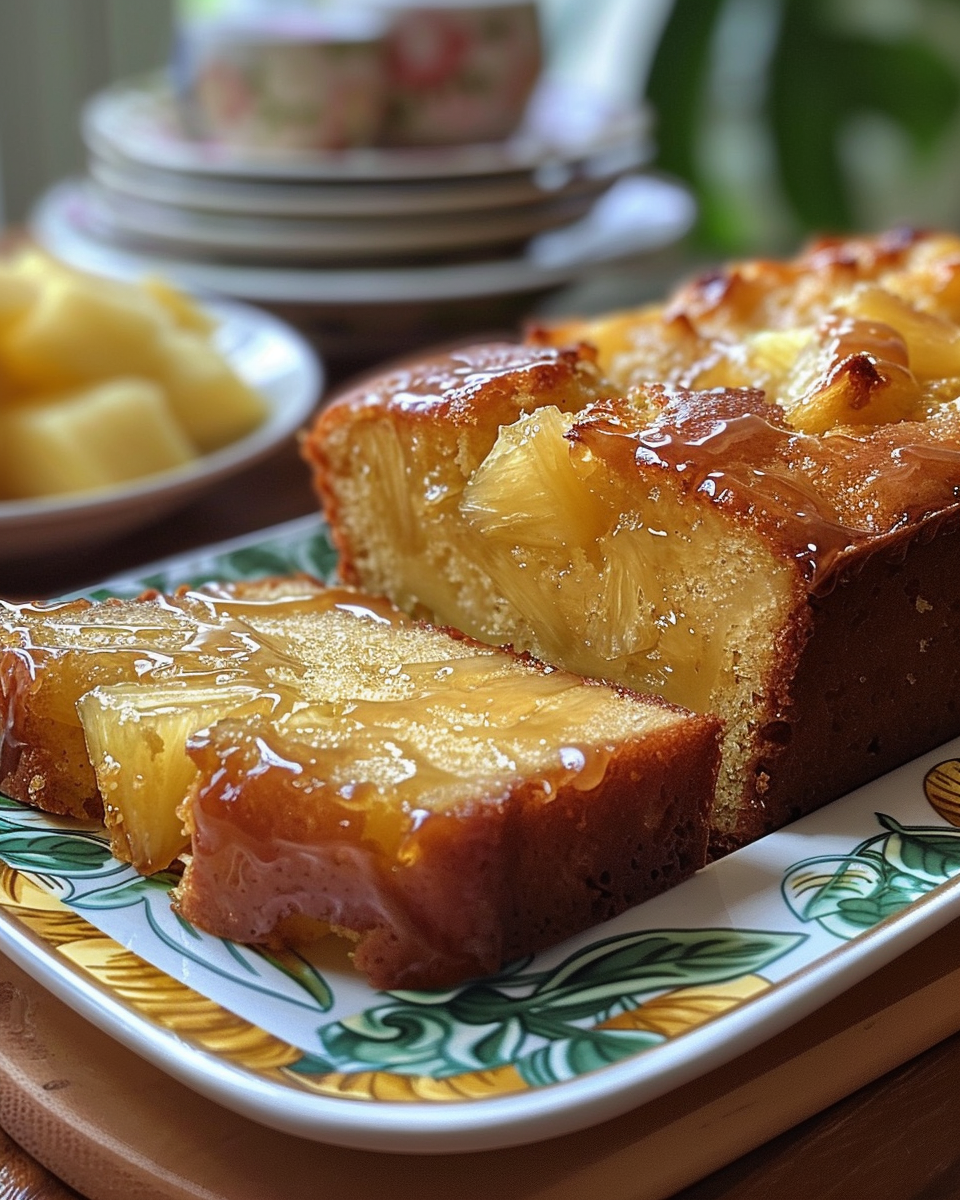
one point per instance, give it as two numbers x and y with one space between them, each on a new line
543 547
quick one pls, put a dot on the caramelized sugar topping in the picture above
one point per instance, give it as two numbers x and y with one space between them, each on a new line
371 713
818 497
852 333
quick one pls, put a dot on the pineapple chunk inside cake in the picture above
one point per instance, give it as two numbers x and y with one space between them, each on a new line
547 546
136 739
620 576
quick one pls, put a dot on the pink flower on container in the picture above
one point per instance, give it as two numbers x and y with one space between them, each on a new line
225 92
426 50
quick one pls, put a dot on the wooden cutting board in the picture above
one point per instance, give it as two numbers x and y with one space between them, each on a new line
116 1128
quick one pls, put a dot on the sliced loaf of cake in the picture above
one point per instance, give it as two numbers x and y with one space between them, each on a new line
318 756
746 500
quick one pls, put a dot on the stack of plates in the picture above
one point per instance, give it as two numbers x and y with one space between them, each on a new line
336 238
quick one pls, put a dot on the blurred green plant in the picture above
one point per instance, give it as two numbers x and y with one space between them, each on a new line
806 74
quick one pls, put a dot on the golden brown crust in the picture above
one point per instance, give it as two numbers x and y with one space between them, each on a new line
859 332
878 682
475 886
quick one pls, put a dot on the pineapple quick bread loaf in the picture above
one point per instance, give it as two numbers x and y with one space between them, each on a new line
314 753
745 500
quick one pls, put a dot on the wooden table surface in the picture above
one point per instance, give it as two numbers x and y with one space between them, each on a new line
894 1139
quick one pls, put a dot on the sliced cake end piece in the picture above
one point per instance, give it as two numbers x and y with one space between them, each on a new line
322 756
448 804
52 654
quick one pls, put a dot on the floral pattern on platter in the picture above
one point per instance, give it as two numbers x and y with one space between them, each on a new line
614 994
885 873
285 554
519 1029
550 1025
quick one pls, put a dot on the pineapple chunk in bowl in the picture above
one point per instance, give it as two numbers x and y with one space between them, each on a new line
102 434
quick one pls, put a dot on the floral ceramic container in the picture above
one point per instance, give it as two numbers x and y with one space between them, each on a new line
284 80
379 72
459 72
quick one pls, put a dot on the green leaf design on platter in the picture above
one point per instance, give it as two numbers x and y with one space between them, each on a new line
879 878
58 857
543 1022
302 972
314 556
584 1052
817 887
76 865
927 852
855 916
662 959
242 964
69 855
305 546
134 889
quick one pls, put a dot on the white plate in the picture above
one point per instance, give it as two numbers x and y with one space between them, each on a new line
270 357
616 1017
138 121
282 198
638 216
163 229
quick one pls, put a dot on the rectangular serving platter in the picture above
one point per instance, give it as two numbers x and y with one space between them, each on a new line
590 1029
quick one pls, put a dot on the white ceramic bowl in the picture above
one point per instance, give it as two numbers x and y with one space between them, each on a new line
269 356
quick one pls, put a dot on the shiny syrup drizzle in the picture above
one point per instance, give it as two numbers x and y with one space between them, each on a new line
208 637
216 636
449 379
456 732
215 625
787 482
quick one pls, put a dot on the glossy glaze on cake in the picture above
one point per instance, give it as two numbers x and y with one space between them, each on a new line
318 758
746 500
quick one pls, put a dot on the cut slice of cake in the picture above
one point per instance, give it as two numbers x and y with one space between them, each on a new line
448 804
53 653
746 501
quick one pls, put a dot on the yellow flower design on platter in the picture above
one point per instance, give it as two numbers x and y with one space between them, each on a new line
942 788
